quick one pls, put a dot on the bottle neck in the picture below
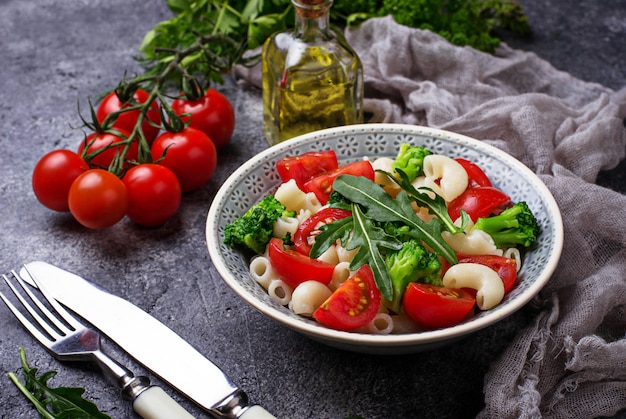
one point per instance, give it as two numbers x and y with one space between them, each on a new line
311 15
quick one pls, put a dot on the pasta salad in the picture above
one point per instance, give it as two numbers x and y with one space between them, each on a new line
385 245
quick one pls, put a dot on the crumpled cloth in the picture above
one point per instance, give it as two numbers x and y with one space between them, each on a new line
571 361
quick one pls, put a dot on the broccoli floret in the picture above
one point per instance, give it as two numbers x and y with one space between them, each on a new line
515 226
412 263
255 228
410 160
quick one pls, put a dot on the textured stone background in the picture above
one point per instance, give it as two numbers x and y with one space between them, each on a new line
56 53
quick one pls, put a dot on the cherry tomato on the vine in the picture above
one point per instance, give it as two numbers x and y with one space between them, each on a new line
212 114
98 199
154 194
53 176
127 120
101 140
189 153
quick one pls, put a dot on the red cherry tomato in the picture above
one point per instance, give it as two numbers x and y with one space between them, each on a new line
53 176
476 175
103 141
305 166
295 268
322 185
478 202
435 307
305 234
212 114
154 194
354 304
505 267
98 199
127 120
190 154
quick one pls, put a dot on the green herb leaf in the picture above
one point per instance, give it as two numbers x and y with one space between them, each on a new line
370 239
380 206
436 206
54 403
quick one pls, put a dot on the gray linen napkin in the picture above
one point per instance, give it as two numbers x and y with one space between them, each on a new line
571 362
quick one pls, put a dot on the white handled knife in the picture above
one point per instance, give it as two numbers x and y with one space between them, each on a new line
147 340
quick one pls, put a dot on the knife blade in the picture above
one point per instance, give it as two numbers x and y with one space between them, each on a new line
148 341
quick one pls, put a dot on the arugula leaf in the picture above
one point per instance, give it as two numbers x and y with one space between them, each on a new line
382 207
369 239
53 403
436 206
371 204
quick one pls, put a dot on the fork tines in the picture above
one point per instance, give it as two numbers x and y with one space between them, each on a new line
47 322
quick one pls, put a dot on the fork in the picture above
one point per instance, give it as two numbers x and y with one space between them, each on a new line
68 339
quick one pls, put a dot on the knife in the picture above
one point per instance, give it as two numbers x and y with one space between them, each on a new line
148 341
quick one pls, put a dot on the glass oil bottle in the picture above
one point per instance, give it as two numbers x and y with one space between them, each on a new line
312 79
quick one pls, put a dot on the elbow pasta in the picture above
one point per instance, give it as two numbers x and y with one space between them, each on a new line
486 282
290 196
262 271
452 177
382 324
279 291
308 296
285 225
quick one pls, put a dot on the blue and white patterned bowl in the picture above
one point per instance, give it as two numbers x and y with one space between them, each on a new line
258 178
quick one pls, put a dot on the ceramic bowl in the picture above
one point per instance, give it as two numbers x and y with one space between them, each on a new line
258 178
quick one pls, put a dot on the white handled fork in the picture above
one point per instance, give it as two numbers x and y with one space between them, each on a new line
68 339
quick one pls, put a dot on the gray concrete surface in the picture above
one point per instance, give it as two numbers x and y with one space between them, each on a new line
55 53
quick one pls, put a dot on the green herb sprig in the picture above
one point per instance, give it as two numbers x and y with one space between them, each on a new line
372 205
53 403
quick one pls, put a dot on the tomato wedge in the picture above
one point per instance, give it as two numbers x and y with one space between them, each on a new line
306 166
322 185
436 307
294 267
476 175
354 304
478 202
305 234
505 267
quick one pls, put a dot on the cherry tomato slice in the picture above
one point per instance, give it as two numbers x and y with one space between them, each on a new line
476 175
505 267
354 304
481 201
306 166
436 307
294 267
322 185
305 234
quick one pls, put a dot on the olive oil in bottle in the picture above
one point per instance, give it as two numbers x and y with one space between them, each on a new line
312 79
